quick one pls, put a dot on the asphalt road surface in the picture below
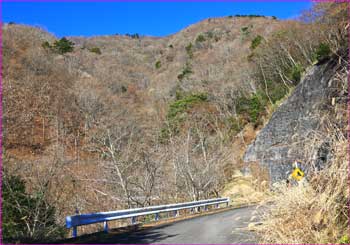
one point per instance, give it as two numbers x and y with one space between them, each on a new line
225 227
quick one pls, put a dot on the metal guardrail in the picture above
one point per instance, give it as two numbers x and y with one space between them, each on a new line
86 219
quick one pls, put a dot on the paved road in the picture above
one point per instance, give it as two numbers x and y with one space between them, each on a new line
225 227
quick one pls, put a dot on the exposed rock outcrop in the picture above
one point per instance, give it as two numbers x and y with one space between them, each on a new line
295 128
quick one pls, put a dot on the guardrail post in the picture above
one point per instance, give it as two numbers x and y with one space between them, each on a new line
157 217
133 220
176 213
75 228
227 204
205 208
75 231
105 227
217 205
192 209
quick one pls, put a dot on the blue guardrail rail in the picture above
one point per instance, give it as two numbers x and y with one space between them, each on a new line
92 218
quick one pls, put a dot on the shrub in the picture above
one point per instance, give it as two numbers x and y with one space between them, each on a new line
189 50
22 212
344 240
95 50
277 92
200 38
177 111
171 46
149 218
252 106
209 34
13 225
46 45
186 71
244 28
256 41
158 64
236 124
180 105
257 106
164 134
322 52
124 89
133 36
295 72
63 46
250 57
180 76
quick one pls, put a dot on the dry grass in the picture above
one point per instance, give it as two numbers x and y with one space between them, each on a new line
245 189
250 187
314 213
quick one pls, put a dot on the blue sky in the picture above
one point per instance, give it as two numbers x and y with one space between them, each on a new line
145 18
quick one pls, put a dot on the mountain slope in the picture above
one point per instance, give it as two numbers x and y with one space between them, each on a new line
62 110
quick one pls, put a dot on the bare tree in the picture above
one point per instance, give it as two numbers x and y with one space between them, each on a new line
199 162
115 145
145 178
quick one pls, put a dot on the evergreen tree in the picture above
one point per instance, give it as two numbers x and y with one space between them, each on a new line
63 46
26 218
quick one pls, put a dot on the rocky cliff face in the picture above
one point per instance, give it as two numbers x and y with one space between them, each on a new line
295 128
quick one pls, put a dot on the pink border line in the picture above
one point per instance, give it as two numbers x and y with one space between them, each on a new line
224 1
348 131
1 88
1 133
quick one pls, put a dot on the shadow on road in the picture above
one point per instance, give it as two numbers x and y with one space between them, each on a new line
134 235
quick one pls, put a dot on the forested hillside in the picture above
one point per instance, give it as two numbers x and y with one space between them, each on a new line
111 122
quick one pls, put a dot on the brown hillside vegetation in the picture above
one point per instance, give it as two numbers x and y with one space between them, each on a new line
71 101
129 121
